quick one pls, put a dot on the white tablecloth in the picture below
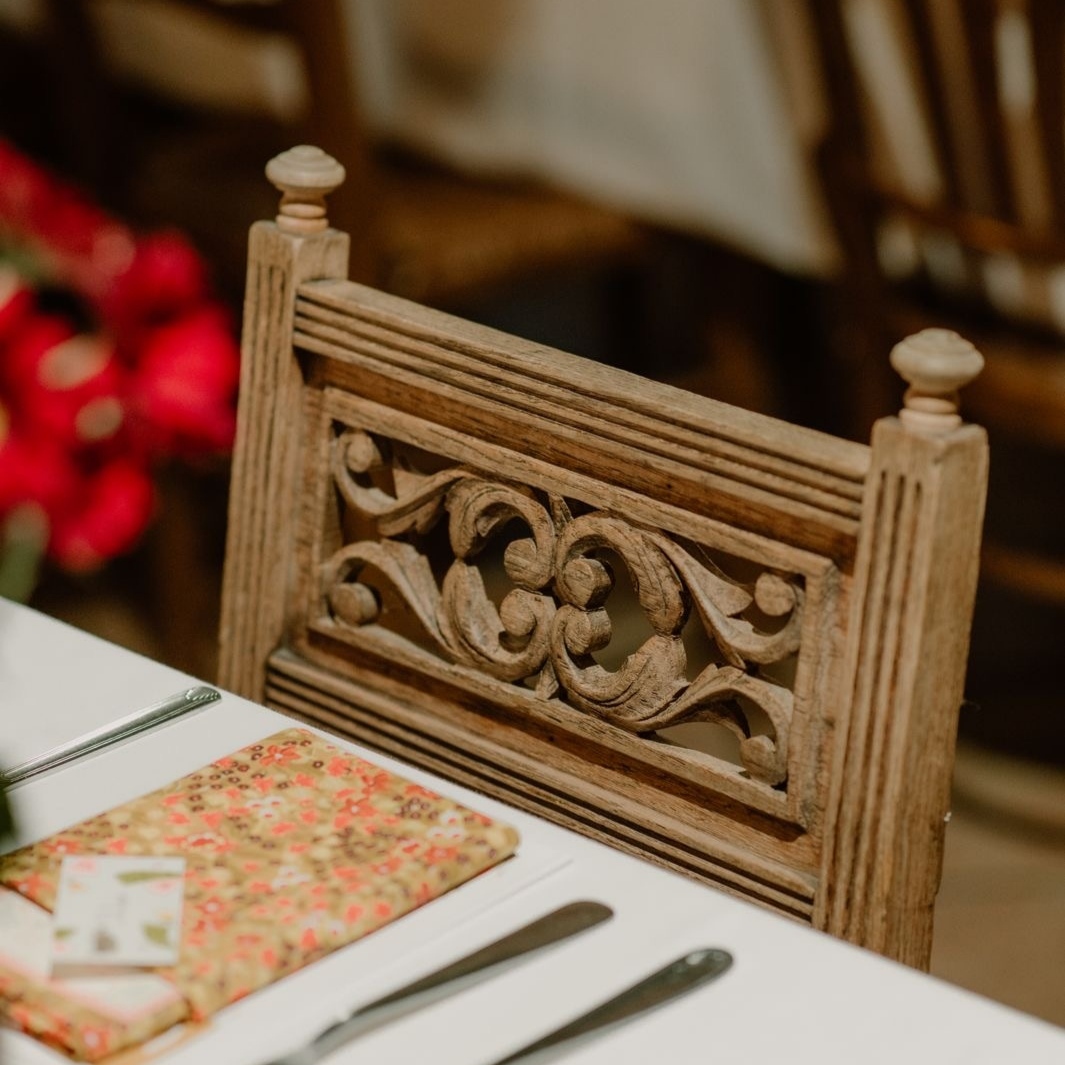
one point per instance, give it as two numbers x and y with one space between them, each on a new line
792 991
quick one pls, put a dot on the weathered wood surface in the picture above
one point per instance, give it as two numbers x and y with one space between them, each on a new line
712 638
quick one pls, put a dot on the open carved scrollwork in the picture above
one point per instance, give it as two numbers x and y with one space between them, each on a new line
546 629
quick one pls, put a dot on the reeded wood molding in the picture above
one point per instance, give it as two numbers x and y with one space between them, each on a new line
915 584
774 477
260 518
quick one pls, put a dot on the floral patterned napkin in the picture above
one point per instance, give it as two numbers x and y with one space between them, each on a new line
293 848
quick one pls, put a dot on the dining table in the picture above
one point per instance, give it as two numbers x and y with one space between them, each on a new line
791 991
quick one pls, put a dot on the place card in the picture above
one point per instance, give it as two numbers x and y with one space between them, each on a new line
117 912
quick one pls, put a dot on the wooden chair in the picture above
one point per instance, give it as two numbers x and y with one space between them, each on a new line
948 189
439 535
426 231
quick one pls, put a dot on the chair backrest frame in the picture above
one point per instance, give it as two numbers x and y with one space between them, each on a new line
367 422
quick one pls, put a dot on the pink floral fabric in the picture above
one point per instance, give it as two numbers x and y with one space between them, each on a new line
293 848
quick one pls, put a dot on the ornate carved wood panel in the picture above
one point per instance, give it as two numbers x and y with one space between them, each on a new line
515 582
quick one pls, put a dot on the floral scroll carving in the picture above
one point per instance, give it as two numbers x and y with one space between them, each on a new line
545 628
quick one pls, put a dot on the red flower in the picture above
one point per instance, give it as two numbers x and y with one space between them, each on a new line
165 279
33 470
184 385
105 518
85 412
77 244
63 384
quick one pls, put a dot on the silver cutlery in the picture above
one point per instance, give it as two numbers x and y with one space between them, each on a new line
469 970
108 735
679 977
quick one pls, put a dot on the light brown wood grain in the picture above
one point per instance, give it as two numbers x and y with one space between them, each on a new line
723 642
266 452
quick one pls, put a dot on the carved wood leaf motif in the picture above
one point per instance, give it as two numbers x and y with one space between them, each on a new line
435 541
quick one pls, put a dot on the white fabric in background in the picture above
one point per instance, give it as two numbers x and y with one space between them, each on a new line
678 111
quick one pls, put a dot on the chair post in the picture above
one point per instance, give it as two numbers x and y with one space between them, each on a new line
298 246
905 666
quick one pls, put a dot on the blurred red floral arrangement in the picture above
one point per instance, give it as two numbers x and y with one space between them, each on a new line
114 359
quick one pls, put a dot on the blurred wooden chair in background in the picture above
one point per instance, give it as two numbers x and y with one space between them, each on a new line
565 585
945 171
245 79
152 96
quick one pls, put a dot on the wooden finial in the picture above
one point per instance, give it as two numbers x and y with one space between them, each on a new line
304 175
935 363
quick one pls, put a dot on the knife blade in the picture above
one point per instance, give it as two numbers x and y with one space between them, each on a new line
471 969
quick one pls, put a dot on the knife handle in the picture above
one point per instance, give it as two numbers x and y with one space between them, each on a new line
108 735
679 977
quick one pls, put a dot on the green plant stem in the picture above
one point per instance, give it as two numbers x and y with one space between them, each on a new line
23 538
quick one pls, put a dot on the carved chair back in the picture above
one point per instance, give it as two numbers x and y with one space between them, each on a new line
563 584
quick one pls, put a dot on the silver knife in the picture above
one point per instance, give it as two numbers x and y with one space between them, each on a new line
471 969
108 735
679 977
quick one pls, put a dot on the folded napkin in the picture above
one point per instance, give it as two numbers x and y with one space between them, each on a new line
293 848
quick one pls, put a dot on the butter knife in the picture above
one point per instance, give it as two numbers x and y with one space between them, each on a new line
470 969
685 974
108 735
